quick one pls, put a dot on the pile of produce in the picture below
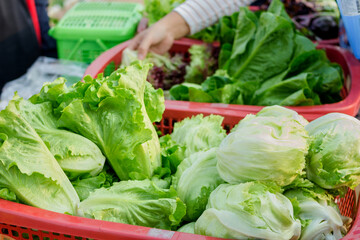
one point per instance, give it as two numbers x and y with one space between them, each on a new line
317 19
167 70
91 150
262 60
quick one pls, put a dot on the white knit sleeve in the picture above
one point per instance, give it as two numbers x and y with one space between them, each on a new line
200 14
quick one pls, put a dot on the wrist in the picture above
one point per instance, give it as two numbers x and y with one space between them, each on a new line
175 25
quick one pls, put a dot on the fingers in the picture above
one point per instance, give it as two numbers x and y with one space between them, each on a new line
163 46
141 43
134 44
144 46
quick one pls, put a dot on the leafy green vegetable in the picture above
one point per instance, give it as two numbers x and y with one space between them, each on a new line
329 79
268 63
182 91
248 211
157 9
253 48
84 185
195 179
318 213
199 133
75 154
201 64
227 28
113 114
188 228
278 111
154 102
334 158
28 169
294 91
172 153
278 8
135 202
270 146
167 70
6 194
129 56
209 34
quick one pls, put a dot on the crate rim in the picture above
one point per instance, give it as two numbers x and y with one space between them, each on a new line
12 213
349 105
21 215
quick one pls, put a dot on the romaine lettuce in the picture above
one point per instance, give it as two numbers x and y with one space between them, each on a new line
27 167
76 154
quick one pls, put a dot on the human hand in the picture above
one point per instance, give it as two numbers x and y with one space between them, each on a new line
160 36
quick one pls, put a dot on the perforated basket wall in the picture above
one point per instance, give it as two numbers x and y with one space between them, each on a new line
91 28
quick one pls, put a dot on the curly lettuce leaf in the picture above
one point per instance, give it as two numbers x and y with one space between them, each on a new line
84 185
199 133
195 179
201 64
157 9
333 160
112 112
140 203
172 153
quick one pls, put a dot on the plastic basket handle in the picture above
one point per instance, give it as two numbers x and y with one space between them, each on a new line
102 44
79 42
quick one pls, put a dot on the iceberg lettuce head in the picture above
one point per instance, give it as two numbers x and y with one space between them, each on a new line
318 213
334 155
268 146
248 211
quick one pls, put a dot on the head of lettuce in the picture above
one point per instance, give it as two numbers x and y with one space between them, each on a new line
268 146
334 154
248 211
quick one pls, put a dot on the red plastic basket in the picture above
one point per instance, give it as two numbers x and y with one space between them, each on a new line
20 221
335 41
351 91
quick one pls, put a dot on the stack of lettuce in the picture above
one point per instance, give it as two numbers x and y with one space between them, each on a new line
53 150
92 150
281 175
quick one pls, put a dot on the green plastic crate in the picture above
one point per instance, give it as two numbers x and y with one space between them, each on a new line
90 28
